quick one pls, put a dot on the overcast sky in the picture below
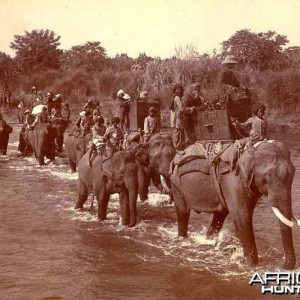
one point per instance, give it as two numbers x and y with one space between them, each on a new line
151 26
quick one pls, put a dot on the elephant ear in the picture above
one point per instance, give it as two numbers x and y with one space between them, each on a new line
107 169
245 167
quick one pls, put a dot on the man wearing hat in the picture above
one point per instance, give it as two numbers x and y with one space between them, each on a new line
49 102
57 103
227 78
123 100
151 124
143 96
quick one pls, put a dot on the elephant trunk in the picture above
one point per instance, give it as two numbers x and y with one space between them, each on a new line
288 246
132 187
143 182
285 215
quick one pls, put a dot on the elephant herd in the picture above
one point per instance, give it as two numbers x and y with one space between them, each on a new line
238 183
263 170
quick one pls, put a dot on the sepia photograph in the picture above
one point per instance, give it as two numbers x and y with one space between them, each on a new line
149 149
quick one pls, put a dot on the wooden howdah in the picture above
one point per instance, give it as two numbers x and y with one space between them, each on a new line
216 124
139 111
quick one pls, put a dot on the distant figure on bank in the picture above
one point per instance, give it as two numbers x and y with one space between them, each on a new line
151 124
21 112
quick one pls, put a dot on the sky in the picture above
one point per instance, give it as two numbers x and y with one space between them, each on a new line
152 26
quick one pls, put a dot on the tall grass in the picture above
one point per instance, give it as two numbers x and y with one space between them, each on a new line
279 90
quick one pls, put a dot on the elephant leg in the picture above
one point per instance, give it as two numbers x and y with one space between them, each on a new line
40 158
103 198
72 165
183 212
217 223
124 207
82 195
244 230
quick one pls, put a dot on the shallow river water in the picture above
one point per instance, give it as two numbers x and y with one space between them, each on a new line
48 250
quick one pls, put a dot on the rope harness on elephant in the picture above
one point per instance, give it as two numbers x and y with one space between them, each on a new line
223 157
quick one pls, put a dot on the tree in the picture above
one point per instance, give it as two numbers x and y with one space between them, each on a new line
7 68
121 62
37 50
293 55
259 50
89 57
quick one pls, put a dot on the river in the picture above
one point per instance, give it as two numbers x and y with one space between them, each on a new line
48 250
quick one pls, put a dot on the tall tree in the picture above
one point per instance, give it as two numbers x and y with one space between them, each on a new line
259 50
90 57
7 67
37 50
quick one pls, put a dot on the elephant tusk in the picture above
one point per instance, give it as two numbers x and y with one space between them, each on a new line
296 220
281 217
164 184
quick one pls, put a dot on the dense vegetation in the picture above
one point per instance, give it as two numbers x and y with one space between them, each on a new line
266 66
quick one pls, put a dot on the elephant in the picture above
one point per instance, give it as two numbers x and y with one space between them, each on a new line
60 126
76 147
108 175
161 153
5 131
263 170
42 141
142 160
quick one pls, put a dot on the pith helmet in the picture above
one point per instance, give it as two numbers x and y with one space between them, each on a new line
230 59
152 109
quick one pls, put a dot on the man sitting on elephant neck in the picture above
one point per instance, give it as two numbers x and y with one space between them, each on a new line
86 123
98 131
114 135
99 147
256 125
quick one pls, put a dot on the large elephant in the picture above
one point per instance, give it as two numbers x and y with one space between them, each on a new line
75 148
42 141
266 170
5 131
60 126
108 175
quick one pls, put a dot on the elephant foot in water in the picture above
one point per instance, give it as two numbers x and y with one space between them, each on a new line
216 224
252 260
81 200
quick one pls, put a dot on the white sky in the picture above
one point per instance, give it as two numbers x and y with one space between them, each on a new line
151 26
